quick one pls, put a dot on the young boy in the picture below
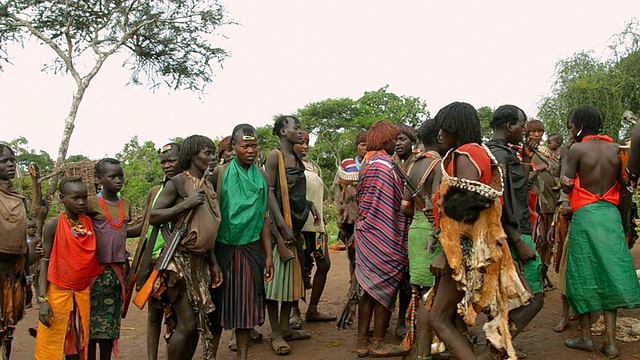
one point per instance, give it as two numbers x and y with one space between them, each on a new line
32 272
110 214
67 267
286 179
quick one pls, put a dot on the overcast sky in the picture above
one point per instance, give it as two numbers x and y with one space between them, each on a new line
288 53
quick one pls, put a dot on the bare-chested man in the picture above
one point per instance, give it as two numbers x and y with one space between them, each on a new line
600 272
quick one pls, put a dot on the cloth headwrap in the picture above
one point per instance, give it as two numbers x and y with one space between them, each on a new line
380 133
165 149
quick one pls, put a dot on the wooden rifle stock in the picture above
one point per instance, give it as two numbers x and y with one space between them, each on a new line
147 289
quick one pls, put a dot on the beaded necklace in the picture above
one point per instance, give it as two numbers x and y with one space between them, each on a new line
108 215
77 228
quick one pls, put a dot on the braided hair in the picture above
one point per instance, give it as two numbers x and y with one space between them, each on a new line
460 119
587 118
281 122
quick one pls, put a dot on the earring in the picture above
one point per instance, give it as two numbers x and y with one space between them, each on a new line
579 132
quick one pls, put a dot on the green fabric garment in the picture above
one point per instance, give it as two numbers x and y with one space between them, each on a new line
533 268
159 240
600 273
419 258
243 203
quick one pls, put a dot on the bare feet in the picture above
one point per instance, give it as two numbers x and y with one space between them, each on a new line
580 344
562 325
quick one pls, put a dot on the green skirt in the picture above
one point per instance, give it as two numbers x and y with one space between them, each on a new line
419 258
600 272
106 306
532 270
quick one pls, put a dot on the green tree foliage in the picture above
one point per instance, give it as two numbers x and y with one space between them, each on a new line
611 85
485 114
24 157
167 41
266 140
141 172
336 122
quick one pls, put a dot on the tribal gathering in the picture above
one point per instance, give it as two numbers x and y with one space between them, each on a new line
459 229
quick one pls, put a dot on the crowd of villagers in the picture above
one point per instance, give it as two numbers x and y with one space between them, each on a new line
437 219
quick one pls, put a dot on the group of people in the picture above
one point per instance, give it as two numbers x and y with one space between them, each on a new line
472 226
438 219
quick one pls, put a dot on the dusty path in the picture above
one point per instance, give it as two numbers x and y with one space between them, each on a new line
538 340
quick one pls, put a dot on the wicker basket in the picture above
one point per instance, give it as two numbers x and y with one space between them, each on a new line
83 169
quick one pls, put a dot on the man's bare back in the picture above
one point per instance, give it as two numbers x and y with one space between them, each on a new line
597 163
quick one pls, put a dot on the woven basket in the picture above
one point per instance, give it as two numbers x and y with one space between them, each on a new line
83 169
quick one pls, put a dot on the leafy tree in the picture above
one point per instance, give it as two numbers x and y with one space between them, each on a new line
141 171
167 41
77 158
485 114
266 140
611 85
336 122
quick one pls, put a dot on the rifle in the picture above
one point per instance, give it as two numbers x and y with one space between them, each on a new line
165 257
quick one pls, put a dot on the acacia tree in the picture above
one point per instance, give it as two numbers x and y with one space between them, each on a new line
611 85
167 42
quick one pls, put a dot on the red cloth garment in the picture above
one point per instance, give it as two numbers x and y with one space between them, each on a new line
480 159
597 137
73 263
580 196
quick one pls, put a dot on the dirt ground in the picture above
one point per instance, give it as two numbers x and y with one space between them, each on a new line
538 340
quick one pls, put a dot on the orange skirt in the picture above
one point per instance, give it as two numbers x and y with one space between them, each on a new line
70 322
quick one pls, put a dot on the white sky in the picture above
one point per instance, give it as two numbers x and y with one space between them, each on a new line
288 53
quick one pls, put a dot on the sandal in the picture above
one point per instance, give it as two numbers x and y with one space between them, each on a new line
580 344
295 321
610 351
255 335
362 346
401 332
280 347
319 317
297 335
381 349
233 346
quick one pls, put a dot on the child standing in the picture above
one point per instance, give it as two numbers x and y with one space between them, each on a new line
33 241
110 214
67 267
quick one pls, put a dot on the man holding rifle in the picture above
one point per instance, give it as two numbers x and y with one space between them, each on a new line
192 267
